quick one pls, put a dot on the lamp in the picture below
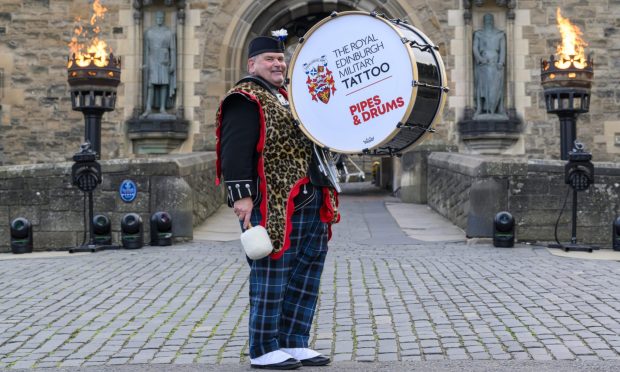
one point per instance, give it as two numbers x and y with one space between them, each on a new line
131 231
615 234
21 236
579 175
161 229
86 175
504 230
93 75
567 80
102 228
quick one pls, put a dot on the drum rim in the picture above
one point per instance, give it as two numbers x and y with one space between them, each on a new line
413 96
444 94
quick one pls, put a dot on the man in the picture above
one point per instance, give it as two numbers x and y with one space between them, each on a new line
271 180
490 56
160 52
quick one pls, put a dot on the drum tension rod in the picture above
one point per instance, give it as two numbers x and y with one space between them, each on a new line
420 84
422 47
391 151
415 126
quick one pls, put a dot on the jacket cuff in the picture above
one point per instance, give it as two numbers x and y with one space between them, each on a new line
239 189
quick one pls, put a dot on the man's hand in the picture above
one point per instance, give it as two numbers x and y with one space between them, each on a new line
243 210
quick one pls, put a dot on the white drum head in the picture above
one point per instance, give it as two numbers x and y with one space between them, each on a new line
350 82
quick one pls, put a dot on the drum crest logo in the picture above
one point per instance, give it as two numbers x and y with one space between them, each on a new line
320 80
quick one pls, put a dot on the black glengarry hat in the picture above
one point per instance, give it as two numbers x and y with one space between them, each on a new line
265 44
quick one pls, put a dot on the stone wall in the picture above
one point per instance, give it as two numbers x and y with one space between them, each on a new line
38 126
182 185
469 190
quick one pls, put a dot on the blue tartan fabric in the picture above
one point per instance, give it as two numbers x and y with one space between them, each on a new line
284 292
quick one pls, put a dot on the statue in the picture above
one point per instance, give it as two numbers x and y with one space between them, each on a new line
160 65
489 48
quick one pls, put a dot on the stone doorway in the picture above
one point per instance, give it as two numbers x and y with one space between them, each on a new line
297 17
226 63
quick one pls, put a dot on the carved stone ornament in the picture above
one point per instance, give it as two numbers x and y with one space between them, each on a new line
139 5
510 4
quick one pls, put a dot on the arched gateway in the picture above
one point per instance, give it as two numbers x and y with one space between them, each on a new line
255 18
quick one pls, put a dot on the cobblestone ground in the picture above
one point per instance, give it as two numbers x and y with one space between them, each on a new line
383 298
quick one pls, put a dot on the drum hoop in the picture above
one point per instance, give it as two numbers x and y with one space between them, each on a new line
442 83
414 91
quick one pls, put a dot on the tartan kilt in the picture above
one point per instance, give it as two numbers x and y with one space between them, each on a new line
284 291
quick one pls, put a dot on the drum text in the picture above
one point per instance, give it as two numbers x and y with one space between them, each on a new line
366 75
357 44
373 107
357 66
357 56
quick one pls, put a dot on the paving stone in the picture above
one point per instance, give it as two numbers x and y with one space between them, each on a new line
342 357
187 304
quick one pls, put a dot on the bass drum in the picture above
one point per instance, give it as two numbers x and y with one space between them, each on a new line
363 84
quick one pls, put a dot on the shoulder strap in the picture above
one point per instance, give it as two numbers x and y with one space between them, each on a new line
260 81
268 87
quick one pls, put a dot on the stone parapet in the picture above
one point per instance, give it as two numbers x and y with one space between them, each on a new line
182 185
469 190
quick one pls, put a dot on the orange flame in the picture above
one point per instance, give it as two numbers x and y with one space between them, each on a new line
572 47
94 49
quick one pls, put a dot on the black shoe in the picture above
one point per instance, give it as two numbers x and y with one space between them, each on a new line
319 360
290 363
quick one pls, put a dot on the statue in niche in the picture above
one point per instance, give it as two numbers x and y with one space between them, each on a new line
489 49
160 65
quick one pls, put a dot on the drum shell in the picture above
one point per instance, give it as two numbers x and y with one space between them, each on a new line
430 97
426 92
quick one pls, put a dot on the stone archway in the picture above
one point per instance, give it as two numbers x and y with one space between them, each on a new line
262 16
225 59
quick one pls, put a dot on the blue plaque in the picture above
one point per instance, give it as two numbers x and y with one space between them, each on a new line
128 191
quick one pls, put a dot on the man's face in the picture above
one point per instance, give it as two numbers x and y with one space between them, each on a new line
488 21
269 66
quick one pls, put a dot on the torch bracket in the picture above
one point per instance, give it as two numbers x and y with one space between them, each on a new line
567 100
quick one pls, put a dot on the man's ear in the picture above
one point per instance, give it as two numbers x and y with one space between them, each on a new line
251 62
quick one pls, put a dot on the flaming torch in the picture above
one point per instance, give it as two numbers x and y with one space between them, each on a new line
566 80
93 75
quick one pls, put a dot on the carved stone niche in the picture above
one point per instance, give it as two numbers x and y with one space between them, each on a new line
494 131
154 129
490 136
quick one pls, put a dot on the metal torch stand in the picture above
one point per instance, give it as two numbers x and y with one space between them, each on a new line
86 175
573 246
93 91
92 245
579 174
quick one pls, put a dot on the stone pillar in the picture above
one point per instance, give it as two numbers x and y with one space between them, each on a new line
469 74
137 47
159 133
181 62
510 62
